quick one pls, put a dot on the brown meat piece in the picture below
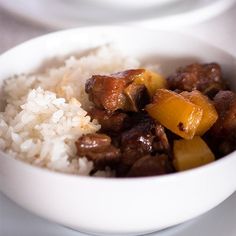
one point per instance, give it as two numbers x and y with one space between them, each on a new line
137 97
223 131
136 147
98 148
225 104
114 122
92 142
150 165
206 78
110 156
122 170
108 92
161 143
143 138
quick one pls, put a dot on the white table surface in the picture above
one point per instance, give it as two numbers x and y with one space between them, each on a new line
221 221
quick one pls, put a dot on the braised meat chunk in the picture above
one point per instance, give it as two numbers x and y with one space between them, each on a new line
106 92
137 141
145 137
224 130
110 122
225 104
98 148
206 78
137 97
151 165
161 143
115 91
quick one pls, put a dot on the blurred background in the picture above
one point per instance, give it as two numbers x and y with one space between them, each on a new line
210 20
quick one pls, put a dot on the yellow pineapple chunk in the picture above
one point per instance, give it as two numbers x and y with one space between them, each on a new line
175 113
209 116
151 80
192 153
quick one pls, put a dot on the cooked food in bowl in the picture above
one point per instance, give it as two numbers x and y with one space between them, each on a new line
104 114
46 113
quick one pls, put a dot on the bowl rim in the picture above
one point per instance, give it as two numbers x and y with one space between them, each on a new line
165 177
116 27
99 179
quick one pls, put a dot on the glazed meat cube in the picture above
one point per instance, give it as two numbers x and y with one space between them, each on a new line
135 143
114 122
92 143
98 148
113 92
161 143
206 78
144 138
151 165
106 92
223 131
137 97
225 103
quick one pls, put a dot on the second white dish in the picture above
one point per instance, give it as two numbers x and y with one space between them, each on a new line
59 14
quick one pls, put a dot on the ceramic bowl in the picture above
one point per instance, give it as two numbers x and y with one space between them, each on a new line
126 206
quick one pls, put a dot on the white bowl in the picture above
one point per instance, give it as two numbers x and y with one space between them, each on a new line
117 206
131 4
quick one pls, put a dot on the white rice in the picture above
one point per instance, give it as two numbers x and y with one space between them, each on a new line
45 115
